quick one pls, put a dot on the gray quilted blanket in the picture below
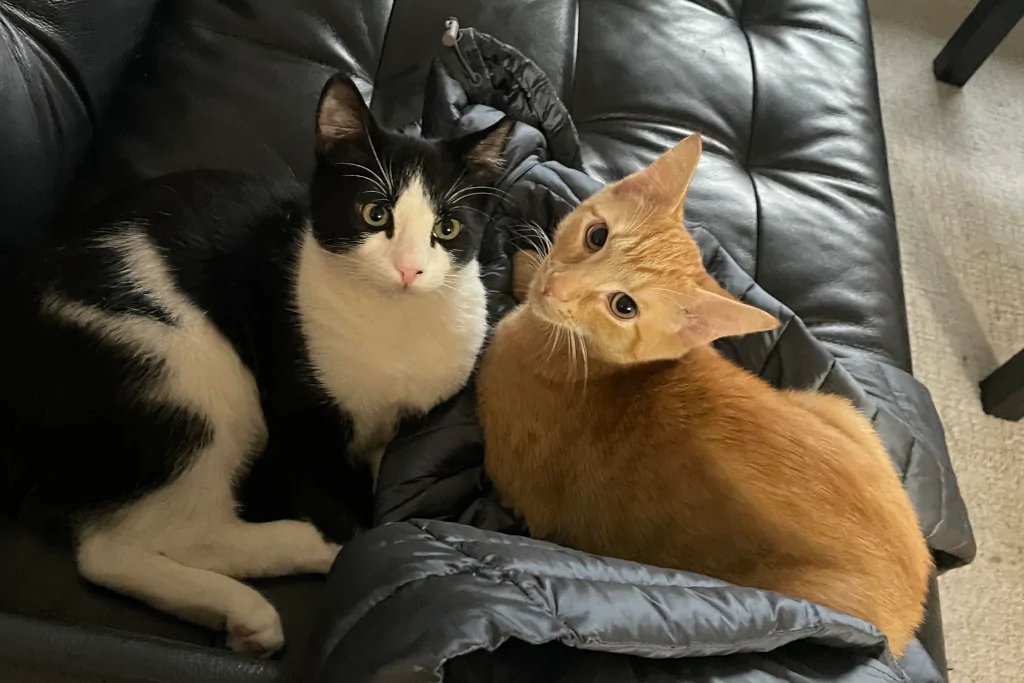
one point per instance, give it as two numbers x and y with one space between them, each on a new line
468 596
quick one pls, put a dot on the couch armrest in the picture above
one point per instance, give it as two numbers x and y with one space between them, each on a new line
59 63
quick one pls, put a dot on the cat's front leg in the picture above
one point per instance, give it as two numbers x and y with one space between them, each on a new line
201 596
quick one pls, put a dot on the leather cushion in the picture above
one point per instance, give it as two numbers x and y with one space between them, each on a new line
59 64
794 183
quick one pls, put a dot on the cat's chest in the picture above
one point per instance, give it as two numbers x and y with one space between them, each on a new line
380 357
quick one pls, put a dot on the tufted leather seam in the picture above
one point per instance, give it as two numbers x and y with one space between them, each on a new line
819 31
779 175
22 21
571 95
750 140
266 46
383 42
875 354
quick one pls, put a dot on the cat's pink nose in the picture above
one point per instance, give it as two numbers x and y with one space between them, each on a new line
557 286
408 273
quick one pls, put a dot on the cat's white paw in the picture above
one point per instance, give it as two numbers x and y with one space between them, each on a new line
324 563
257 632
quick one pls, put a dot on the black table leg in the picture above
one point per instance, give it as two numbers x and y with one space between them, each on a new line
1002 392
977 37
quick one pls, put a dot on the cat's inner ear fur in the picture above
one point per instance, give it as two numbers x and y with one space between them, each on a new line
342 114
483 152
709 315
666 180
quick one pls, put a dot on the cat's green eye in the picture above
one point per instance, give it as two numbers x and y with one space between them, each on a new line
376 215
447 229
623 305
597 235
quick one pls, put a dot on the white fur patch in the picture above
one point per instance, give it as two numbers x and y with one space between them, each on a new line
379 353
202 372
176 547
409 247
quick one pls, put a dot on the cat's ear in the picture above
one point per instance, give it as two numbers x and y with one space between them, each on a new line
483 152
342 114
707 316
666 180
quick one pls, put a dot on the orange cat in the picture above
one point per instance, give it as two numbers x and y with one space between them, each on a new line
613 427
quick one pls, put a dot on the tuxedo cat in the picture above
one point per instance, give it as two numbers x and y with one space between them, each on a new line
207 320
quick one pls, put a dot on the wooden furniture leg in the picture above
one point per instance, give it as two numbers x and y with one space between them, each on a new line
982 30
1002 392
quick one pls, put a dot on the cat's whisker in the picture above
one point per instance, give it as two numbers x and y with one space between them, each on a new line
377 179
455 185
538 232
543 247
387 177
376 190
536 248
371 179
535 259
391 172
484 188
476 193
463 207
573 352
586 360
554 336
476 190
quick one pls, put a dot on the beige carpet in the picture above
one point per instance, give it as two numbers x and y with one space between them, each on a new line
957 164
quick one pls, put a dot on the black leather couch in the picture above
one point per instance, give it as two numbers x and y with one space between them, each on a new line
96 94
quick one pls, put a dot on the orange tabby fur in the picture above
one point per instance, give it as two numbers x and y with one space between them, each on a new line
635 439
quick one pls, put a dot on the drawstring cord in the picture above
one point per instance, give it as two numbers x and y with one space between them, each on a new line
450 38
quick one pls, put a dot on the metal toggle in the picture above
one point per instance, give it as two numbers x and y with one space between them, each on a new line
450 38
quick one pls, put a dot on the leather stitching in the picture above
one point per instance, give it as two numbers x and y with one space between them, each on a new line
266 46
750 140
43 44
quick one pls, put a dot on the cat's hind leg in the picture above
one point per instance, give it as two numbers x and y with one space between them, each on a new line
182 548
197 595
190 570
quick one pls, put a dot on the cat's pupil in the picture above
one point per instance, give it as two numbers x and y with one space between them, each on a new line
597 235
624 305
377 213
446 227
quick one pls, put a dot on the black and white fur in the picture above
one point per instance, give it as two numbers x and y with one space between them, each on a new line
208 320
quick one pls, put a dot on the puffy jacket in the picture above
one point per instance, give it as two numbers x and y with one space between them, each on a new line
471 598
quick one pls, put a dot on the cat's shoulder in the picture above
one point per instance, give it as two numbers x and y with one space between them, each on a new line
210 200
196 213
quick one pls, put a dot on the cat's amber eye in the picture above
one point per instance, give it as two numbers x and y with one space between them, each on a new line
447 229
597 235
623 305
376 215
